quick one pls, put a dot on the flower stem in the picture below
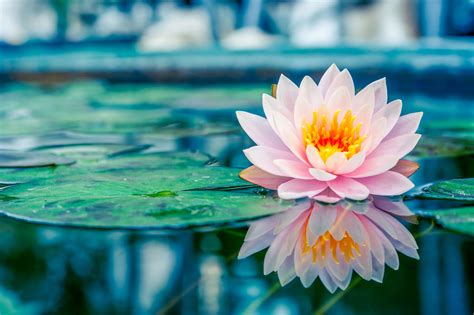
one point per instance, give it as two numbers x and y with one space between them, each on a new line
333 300
426 231
252 307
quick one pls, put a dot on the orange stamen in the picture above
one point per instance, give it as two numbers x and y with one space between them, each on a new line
326 245
333 136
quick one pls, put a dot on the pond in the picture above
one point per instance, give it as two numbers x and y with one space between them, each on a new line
76 255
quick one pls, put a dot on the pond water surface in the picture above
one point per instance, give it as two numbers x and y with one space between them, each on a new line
46 269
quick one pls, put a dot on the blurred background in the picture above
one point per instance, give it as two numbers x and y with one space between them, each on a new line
154 25
235 41
93 78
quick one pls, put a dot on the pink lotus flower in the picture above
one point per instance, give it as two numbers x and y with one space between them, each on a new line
327 143
331 241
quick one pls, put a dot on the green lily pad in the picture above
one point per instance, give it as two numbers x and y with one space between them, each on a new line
31 159
461 189
94 107
430 147
82 153
459 128
460 220
159 190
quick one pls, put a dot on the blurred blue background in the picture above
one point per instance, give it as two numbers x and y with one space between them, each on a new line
155 25
212 41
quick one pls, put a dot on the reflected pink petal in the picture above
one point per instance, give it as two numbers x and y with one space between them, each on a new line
330 242
259 177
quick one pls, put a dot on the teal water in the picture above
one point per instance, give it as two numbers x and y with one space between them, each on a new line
58 270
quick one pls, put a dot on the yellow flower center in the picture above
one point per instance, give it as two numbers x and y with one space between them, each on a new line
334 136
326 245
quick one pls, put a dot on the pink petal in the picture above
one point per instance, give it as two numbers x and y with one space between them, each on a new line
350 222
397 147
352 164
272 106
365 97
340 99
392 113
263 158
384 221
367 143
260 131
270 262
363 263
286 93
405 124
393 207
402 234
321 175
335 161
287 218
376 246
304 111
310 274
364 116
327 196
286 272
374 165
342 79
294 169
288 243
321 220
378 270
339 271
314 158
377 132
259 177
387 184
327 79
299 188
380 90
310 91
406 167
251 247
287 133
260 227
347 187
327 281
406 250
336 230
391 256
302 260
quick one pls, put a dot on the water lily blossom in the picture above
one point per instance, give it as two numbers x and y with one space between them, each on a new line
329 242
326 142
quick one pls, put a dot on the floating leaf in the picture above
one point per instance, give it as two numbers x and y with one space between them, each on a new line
461 189
460 220
31 159
456 128
82 153
94 107
432 147
135 191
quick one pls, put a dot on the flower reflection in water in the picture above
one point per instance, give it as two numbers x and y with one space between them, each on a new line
331 241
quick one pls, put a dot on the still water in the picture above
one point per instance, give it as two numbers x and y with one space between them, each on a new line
47 269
